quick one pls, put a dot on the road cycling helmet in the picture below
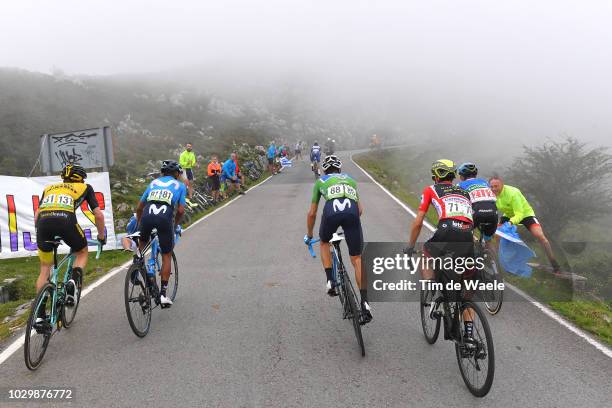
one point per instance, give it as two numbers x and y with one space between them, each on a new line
467 170
170 166
316 143
442 169
74 172
331 161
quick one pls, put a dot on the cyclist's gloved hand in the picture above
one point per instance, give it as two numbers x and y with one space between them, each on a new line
409 251
178 229
307 239
102 240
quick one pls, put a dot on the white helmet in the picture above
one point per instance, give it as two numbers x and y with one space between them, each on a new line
331 161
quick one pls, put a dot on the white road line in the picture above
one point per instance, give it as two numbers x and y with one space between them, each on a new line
547 311
16 345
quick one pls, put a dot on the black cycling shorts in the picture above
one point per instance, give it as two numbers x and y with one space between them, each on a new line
528 222
59 224
164 225
485 217
451 237
342 212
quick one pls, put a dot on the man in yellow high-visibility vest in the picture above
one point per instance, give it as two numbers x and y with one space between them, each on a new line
187 160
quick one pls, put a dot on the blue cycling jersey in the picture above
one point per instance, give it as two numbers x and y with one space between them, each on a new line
315 153
165 190
132 225
478 189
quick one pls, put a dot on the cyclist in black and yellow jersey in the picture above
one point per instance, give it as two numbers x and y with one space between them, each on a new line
56 217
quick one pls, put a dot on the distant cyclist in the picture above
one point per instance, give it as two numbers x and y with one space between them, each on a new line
156 210
56 216
315 156
342 209
483 200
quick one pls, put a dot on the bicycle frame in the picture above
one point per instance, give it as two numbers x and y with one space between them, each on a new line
68 261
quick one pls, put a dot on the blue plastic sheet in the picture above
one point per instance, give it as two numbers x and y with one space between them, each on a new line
513 252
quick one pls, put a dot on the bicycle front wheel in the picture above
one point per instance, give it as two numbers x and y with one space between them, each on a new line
137 301
38 333
173 280
68 311
430 322
476 358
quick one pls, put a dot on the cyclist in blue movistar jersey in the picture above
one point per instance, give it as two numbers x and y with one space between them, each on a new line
315 156
484 210
156 210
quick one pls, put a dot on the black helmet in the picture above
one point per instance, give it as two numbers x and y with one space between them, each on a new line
331 161
442 169
74 173
467 170
170 166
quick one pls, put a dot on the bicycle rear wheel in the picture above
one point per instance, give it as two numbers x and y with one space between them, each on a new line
431 324
173 280
476 361
493 299
137 301
355 312
37 335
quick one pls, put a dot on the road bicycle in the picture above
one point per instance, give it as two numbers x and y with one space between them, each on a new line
139 291
315 169
491 272
346 293
55 304
475 355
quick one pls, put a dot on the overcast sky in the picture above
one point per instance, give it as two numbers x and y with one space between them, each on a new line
533 66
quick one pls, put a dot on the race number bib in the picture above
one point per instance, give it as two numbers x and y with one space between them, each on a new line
457 207
58 200
341 190
162 196
482 194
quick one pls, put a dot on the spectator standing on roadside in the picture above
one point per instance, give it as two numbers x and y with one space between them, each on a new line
188 161
271 155
214 173
515 209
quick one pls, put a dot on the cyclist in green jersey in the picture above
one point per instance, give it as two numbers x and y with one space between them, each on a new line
515 209
342 209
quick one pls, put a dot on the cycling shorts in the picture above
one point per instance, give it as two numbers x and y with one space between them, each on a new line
485 217
61 224
342 212
270 160
164 226
528 222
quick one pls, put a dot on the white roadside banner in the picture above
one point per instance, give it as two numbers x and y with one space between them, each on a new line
19 197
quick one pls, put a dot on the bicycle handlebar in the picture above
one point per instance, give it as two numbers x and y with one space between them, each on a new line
309 244
97 243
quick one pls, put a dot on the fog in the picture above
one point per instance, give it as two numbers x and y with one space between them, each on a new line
506 72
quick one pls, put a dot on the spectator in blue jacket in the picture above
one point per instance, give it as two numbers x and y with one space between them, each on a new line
228 172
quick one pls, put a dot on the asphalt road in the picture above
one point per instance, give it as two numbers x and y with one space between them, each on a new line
252 327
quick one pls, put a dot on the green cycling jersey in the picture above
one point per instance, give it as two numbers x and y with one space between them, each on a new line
335 185
513 204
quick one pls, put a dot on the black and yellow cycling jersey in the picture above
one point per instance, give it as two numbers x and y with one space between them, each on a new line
66 197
